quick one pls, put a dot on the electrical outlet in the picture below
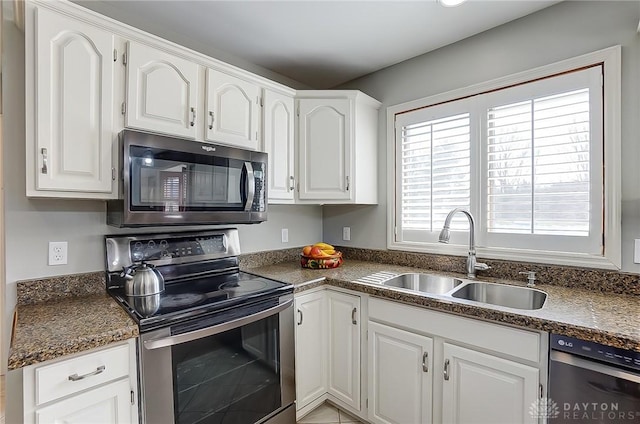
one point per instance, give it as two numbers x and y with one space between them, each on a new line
346 233
285 235
57 253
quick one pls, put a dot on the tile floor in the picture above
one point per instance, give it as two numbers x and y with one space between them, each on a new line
328 414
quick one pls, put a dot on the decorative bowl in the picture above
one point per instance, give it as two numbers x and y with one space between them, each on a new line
333 261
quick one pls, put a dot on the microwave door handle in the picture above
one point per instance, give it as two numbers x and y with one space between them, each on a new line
216 329
251 186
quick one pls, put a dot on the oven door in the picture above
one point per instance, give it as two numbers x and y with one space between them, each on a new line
234 367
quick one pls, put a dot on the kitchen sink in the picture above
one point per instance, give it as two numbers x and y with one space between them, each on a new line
502 295
427 283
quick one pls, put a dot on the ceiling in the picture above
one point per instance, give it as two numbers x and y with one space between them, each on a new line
320 44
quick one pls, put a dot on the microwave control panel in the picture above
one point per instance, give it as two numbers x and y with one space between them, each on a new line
260 198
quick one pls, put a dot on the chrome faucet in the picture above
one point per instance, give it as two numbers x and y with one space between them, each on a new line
472 265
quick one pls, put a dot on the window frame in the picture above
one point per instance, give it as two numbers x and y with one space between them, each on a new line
610 60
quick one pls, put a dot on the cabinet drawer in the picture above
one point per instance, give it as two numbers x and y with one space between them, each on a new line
73 375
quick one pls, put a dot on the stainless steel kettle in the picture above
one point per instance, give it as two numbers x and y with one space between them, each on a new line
142 280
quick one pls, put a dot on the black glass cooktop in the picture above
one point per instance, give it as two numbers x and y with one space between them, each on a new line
184 300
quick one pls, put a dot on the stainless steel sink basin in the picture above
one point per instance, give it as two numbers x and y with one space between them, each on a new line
503 295
427 283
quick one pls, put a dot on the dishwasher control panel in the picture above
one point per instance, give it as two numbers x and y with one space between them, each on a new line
609 354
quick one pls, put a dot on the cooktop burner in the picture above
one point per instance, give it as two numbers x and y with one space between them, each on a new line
194 297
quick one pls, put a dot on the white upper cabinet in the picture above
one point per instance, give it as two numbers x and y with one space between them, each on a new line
69 94
162 92
325 149
279 144
337 138
233 110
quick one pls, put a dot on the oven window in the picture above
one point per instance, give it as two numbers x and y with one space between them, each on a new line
232 377
163 180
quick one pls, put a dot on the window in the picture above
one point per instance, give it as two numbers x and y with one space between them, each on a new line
527 159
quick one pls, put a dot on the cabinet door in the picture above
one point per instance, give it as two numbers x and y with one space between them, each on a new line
400 376
325 137
481 388
73 105
311 364
107 404
161 92
344 347
233 110
279 145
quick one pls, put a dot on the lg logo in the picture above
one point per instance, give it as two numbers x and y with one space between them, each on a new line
563 343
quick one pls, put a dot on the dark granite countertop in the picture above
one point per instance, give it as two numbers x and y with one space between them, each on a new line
70 321
610 319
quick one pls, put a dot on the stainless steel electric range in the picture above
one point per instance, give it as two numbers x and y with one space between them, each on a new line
216 346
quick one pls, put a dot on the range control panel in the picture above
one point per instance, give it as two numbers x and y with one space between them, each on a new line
170 248
153 249
612 355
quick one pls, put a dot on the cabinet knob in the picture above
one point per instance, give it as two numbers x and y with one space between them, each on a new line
446 369
347 187
300 316
212 119
292 186
425 362
354 321
193 112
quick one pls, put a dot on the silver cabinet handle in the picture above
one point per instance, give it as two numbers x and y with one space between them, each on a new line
193 121
292 180
425 362
44 160
354 321
76 377
446 369
212 119
347 183
300 315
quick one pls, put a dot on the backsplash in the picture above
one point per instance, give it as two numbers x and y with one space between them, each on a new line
30 292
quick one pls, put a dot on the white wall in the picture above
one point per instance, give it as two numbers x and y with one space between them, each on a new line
559 32
31 223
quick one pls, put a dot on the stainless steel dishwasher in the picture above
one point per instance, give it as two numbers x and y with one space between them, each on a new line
592 383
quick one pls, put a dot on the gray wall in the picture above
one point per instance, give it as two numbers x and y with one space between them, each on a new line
31 223
562 31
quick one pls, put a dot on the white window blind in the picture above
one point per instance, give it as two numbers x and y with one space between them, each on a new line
538 166
435 168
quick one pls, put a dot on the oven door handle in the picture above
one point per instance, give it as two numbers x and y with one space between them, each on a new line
575 361
216 329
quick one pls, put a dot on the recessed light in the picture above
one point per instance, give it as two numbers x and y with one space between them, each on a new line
451 3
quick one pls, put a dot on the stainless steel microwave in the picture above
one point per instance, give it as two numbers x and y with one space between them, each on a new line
172 181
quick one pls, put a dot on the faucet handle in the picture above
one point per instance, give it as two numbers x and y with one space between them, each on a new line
531 277
480 266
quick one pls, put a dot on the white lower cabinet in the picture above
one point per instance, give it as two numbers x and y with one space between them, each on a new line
328 350
344 347
400 376
310 335
427 366
482 388
106 404
98 386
